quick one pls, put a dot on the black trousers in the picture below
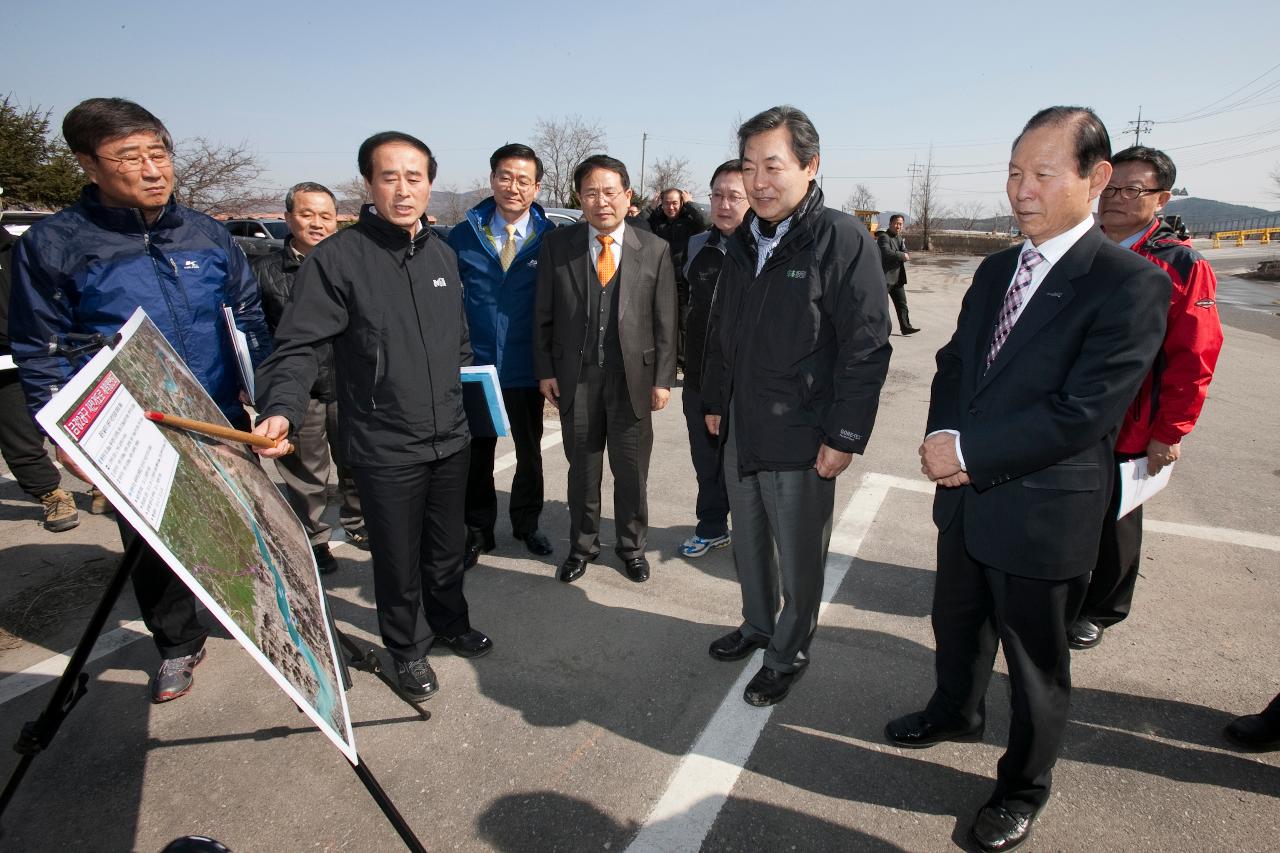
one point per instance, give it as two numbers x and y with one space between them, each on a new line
712 505
416 535
898 293
601 415
524 410
1115 576
21 442
168 606
976 607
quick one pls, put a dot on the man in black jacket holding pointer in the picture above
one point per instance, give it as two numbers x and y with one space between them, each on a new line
387 293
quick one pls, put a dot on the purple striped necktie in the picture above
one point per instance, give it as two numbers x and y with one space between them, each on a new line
1012 302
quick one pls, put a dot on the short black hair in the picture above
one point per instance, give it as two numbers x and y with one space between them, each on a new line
306 187
733 166
663 194
97 120
364 158
516 151
1093 144
600 161
1166 172
897 216
804 136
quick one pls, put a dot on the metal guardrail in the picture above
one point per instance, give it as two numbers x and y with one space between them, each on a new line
1264 236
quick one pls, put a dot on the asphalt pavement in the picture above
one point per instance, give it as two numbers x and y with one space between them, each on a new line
600 723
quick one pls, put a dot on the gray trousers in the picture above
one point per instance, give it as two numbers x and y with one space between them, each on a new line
781 531
602 416
306 473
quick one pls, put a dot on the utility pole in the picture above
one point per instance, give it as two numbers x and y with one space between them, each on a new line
913 170
644 139
1139 127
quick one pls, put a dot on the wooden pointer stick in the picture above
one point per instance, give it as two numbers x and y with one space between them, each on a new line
214 430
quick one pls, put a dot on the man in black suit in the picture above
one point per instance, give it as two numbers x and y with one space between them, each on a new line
893 259
1053 339
604 351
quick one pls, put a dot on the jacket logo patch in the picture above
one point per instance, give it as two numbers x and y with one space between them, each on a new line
1205 303
533 263
850 435
191 265
439 282
1057 295
797 273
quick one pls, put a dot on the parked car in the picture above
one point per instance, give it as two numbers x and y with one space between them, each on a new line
258 236
18 221
562 215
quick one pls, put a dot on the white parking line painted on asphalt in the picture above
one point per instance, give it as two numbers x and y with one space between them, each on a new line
549 440
704 778
1214 534
51 668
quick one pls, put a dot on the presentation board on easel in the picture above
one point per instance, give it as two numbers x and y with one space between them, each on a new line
206 507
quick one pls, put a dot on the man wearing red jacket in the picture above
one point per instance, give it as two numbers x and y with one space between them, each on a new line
1173 392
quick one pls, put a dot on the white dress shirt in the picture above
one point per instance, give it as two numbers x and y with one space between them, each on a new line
1052 251
615 247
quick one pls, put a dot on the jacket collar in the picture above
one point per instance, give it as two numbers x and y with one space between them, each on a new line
125 220
389 235
802 219
482 214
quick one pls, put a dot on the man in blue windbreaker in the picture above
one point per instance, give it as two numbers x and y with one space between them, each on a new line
497 246
126 243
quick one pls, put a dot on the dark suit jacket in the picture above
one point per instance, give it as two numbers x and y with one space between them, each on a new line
646 312
891 261
1037 429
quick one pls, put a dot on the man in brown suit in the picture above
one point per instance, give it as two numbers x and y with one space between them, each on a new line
604 351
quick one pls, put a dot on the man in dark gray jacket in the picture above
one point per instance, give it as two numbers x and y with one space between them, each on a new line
894 257
387 294
312 215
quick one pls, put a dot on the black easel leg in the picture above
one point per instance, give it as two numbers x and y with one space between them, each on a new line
39 733
388 808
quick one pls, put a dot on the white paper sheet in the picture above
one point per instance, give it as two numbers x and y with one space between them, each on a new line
1137 486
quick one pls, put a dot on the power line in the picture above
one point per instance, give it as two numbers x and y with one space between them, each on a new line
1203 112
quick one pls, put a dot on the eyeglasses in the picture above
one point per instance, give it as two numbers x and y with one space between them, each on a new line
1127 193
595 195
133 162
732 198
519 181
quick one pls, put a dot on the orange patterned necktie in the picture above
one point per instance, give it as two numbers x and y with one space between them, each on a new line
604 263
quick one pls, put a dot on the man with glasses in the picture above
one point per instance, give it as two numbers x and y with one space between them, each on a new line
126 243
604 352
702 272
497 246
1173 393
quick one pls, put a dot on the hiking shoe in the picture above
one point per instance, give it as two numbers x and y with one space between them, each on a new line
358 538
324 559
59 511
99 505
416 679
174 677
696 546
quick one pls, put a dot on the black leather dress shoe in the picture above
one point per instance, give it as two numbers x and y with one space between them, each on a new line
769 686
537 542
473 644
997 828
915 731
478 542
910 330
637 569
417 679
734 646
1083 634
1254 732
573 567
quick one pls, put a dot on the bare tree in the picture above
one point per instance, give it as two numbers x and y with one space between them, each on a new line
860 199
352 195
1004 215
449 205
926 206
968 213
1275 182
216 178
563 143
671 172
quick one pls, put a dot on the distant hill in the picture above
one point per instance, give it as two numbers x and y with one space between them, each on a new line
1195 211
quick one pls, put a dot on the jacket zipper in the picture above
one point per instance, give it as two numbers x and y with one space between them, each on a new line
164 291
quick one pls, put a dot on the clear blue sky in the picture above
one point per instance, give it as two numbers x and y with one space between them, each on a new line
304 84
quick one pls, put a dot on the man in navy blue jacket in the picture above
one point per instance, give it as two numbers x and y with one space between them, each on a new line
126 243
497 246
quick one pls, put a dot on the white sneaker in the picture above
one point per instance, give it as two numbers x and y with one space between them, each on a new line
696 546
